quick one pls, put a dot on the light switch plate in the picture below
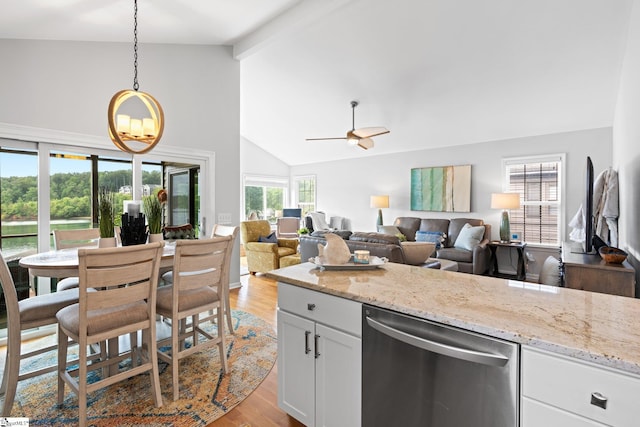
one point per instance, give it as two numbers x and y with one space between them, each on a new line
224 218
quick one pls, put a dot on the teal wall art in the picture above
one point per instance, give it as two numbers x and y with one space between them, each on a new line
441 189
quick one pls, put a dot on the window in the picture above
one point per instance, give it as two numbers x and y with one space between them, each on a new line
305 193
19 202
539 182
265 197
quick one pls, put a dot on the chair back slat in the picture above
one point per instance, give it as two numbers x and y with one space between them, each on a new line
199 263
120 276
86 237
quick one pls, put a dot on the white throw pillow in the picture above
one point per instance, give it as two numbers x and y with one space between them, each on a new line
469 237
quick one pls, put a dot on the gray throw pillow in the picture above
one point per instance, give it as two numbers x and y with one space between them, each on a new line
271 238
469 237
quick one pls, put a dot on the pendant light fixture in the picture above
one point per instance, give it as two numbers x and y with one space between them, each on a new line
130 134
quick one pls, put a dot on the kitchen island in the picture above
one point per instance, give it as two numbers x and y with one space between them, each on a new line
591 326
568 336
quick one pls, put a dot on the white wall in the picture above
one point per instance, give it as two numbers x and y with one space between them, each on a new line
67 86
344 187
255 161
626 146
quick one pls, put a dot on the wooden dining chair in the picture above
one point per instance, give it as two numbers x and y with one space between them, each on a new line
33 312
222 231
197 288
124 302
69 239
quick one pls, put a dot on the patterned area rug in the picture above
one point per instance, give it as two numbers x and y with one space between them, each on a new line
205 393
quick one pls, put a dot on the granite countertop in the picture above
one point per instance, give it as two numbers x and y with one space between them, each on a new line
595 327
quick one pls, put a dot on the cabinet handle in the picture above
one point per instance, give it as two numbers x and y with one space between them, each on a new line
315 344
311 307
307 349
598 399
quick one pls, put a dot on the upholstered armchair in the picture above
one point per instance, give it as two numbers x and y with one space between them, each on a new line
264 256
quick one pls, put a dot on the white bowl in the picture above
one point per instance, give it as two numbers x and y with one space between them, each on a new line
416 253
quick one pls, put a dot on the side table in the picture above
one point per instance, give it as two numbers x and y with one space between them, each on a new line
521 272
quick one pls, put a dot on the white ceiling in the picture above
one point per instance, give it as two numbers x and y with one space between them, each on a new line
434 72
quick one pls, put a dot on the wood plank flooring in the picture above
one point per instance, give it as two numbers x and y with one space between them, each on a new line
258 296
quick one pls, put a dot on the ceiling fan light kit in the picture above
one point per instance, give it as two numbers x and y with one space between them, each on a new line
360 137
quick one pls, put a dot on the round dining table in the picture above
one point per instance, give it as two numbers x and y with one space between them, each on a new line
64 262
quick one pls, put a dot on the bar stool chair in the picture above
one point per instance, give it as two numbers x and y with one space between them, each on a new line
68 239
125 280
29 313
197 288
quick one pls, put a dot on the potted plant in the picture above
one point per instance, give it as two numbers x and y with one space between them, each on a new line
153 210
106 216
303 231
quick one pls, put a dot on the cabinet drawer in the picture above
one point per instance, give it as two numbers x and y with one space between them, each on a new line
536 414
339 313
568 384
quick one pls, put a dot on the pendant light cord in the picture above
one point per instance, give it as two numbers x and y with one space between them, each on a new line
135 46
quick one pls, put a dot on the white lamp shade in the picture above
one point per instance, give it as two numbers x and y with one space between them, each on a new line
505 201
379 202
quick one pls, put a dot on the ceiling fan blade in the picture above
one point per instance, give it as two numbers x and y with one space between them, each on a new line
324 139
369 132
365 143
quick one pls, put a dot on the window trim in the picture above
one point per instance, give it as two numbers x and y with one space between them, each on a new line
294 189
47 140
555 157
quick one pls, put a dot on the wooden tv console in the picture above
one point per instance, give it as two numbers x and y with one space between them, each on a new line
590 273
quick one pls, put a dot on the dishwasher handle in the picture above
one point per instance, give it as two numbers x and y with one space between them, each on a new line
437 347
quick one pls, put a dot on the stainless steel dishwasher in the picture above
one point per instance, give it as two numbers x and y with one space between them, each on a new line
420 373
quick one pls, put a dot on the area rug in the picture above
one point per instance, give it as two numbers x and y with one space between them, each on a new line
205 393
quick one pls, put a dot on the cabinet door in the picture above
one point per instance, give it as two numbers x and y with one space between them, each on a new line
296 389
338 378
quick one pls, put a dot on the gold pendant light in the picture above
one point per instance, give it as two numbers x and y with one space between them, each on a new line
135 135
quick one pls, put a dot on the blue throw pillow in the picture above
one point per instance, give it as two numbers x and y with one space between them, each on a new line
271 238
436 237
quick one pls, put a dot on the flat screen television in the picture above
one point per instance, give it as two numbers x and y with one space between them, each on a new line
292 212
588 209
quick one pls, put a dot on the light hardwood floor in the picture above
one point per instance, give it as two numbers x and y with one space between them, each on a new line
258 295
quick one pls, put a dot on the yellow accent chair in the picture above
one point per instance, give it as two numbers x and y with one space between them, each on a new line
264 256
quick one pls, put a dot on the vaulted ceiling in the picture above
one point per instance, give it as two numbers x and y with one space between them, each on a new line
434 72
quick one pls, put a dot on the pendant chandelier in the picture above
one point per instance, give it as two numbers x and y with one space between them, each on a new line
129 134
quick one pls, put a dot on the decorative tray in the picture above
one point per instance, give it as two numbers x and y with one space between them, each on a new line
374 262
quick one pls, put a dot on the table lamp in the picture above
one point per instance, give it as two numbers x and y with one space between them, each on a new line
505 201
379 202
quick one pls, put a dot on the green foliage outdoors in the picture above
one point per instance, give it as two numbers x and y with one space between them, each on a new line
70 193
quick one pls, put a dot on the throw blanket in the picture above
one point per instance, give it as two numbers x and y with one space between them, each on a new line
318 221
605 206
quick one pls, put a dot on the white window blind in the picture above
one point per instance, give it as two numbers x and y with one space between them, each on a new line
538 180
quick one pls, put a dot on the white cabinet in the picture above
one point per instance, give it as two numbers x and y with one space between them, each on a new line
319 357
564 391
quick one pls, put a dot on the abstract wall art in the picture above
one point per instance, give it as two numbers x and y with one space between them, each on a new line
441 189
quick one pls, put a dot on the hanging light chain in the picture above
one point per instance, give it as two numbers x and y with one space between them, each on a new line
135 46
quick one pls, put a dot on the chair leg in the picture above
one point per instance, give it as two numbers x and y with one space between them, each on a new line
221 345
177 326
11 371
82 384
227 310
63 342
149 340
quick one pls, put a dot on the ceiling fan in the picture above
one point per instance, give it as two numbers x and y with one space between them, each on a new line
360 137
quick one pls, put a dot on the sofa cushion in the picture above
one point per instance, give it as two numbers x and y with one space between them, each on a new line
342 233
469 237
389 229
375 238
458 255
408 226
435 237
